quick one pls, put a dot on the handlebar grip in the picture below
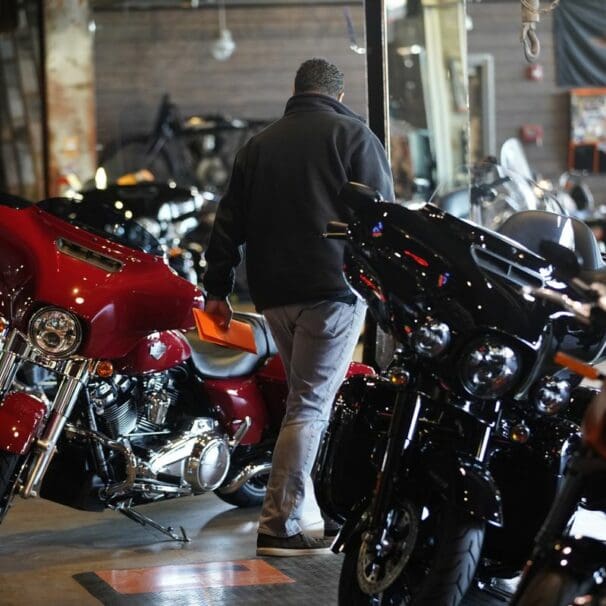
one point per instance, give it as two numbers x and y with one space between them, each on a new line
335 230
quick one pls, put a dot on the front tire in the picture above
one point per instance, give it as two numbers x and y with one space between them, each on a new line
8 467
439 570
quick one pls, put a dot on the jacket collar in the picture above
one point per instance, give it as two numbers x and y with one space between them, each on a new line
312 102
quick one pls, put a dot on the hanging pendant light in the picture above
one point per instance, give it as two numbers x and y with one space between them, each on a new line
224 46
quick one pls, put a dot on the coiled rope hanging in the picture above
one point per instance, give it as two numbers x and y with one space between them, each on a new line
530 17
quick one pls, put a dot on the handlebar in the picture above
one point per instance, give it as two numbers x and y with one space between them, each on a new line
335 230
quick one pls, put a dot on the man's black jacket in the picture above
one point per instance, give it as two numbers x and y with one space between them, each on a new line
282 193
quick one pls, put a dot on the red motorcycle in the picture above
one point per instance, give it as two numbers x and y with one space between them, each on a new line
140 408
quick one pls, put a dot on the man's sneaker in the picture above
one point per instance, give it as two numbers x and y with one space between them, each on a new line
297 545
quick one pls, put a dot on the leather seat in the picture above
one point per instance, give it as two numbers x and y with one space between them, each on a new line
218 362
531 227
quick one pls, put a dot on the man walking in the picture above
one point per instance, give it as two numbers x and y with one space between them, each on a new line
282 193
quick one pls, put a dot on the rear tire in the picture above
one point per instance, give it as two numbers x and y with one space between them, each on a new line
8 466
248 495
551 588
129 155
442 579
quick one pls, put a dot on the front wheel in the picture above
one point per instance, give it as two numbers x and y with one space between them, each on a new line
436 570
550 588
8 467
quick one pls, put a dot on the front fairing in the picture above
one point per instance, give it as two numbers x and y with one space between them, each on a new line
411 265
121 294
426 261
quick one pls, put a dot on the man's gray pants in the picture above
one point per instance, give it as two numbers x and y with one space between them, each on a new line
316 342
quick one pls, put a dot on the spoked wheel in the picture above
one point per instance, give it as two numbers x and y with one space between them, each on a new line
552 588
131 154
8 479
414 563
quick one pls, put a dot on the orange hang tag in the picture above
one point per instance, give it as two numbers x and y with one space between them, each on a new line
239 335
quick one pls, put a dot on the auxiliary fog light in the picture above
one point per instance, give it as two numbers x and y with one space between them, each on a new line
431 339
552 395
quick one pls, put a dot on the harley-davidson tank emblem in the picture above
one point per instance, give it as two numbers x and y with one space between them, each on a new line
157 349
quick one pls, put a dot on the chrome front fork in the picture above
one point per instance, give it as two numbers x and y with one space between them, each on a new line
74 373
75 376
15 349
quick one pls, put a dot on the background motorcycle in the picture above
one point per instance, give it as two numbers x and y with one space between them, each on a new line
445 467
198 150
141 410
179 218
566 567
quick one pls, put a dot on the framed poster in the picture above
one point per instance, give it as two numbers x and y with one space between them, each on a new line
587 148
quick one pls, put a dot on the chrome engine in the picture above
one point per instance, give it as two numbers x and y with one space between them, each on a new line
191 459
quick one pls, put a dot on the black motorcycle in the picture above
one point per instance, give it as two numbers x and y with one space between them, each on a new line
443 468
194 150
568 565
180 219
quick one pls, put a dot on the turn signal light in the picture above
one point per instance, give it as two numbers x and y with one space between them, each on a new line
105 369
520 433
3 324
399 377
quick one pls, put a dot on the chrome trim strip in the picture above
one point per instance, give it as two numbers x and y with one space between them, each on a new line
92 257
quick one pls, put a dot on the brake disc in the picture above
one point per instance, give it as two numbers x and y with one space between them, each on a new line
382 561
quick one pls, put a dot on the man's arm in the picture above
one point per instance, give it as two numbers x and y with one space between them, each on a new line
223 253
370 165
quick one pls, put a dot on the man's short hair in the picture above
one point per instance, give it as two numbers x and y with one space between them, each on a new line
320 76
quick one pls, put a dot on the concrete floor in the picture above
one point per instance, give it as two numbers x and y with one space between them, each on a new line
54 556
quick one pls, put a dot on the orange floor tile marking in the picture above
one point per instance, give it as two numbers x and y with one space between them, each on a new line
188 576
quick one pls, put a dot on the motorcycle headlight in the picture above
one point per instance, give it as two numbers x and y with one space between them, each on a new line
431 339
552 395
55 332
489 369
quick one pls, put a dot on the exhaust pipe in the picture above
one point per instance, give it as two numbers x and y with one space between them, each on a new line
245 474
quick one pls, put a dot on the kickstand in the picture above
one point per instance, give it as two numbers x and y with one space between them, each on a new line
135 516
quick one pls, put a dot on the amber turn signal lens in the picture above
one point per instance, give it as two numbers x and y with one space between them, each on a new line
3 324
520 433
105 369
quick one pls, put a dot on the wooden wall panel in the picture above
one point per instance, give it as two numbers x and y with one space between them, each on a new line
140 55
496 30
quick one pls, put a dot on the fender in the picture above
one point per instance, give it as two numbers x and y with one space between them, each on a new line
20 417
469 485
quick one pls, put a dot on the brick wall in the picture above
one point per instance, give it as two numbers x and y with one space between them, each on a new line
139 55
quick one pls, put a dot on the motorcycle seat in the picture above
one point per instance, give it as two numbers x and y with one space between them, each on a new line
218 362
530 227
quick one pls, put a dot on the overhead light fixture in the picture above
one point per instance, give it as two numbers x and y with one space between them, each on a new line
224 46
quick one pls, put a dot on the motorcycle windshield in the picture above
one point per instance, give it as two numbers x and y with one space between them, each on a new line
428 261
104 218
495 193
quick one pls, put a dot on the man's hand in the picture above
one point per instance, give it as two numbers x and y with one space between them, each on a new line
221 309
